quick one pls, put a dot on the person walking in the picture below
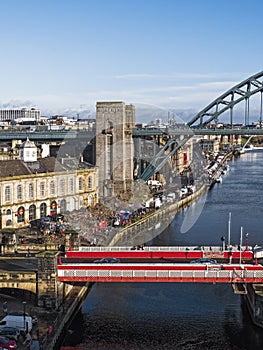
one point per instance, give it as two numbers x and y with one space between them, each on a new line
27 341
5 308
230 256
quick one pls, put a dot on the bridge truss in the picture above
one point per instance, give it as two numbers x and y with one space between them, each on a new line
241 92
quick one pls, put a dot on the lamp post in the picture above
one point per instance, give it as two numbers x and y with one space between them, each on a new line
240 246
24 313
229 229
246 241
223 243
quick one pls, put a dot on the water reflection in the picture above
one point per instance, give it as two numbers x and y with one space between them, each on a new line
171 316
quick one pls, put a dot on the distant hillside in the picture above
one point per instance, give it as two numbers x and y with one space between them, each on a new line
148 113
144 113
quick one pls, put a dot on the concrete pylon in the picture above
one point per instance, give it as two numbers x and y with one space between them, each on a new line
115 148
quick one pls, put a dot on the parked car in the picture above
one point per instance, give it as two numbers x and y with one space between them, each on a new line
203 261
17 320
107 260
6 343
10 332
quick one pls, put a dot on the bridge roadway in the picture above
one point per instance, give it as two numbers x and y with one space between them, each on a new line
61 135
172 131
168 264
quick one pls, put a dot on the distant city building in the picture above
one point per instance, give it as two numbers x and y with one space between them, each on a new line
32 188
210 145
28 151
5 151
20 115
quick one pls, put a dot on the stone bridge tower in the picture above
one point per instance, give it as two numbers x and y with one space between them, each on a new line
115 149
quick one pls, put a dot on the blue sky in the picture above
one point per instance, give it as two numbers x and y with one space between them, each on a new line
180 54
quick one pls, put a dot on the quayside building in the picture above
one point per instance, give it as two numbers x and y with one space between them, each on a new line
31 187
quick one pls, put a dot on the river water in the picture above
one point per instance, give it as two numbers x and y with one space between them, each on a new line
187 316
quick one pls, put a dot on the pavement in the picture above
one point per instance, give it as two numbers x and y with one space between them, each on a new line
45 318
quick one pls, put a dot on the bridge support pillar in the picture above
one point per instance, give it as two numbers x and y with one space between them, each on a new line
114 148
50 292
254 301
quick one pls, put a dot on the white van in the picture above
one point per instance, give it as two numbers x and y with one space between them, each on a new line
19 321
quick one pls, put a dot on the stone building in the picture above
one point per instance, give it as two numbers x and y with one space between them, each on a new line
32 188
5 151
31 115
114 148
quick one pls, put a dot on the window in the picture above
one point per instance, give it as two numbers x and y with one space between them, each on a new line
62 186
42 189
19 192
7 194
21 214
31 190
32 212
9 223
71 185
52 187
43 210
8 212
63 206
90 183
80 184
53 208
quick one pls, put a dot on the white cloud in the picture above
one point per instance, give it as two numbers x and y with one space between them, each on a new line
184 76
196 93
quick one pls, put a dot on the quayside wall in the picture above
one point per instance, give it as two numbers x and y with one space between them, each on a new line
154 222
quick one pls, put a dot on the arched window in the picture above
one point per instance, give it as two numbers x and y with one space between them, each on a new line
21 214
19 192
52 187
80 184
8 223
43 210
53 208
89 201
71 203
8 212
90 183
8 194
63 206
32 212
31 190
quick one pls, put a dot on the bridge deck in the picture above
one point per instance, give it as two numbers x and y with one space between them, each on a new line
160 264
153 252
160 272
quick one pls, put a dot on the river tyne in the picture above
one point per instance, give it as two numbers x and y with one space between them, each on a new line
187 316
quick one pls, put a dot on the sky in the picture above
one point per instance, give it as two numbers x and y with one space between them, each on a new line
174 54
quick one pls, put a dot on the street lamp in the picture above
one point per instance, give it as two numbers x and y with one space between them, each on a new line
246 241
223 243
24 313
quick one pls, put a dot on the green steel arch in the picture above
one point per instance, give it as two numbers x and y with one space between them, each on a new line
229 99
226 101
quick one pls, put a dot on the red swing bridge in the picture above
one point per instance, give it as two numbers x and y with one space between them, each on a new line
161 264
